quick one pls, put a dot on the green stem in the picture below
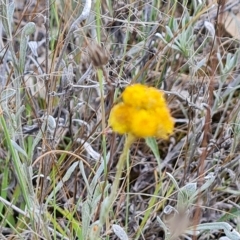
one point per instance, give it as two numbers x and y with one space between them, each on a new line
128 142
21 176
105 212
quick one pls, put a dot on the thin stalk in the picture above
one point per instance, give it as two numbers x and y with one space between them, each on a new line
16 162
148 211
128 142
47 33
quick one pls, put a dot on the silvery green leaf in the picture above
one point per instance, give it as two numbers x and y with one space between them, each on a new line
209 180
4 18
190 189
51 124
20 111
28 29
69 172
182 201
163 225
119 231
169 209
182 198
65 178
229 231
10 10
86 217
135 49
200 64
70 73
209 26
18 148
106 204
231 62
192 232
220 62
152 144
99 191
87 146
186 195
173 181
175 47
7 93
159 35
175 25
178 45
82 170
169 32
64 79
14 122
37 139
197 6
33 46
98 173
94 231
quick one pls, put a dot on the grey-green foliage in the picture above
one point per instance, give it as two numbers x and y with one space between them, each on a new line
48 123
230 233
51 124
198 6
86 212
180 36
94 192
152 144
6 16
226 66
187 195
65 178
6 95
7 9
119 231
236 131
18 148
28 29
230 64
89 208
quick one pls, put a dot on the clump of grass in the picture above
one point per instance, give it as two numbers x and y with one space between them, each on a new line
63 67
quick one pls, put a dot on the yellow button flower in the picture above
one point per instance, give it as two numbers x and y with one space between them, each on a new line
143 113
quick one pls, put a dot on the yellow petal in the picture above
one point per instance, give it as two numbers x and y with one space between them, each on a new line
119 118
135 95
143 125
165 123
141 96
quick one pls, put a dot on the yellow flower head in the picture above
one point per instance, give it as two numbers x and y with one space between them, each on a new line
143 113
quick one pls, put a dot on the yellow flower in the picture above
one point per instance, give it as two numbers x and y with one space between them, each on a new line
138 95
143 113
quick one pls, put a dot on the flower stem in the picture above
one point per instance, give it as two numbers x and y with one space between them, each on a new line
120 165
128 142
